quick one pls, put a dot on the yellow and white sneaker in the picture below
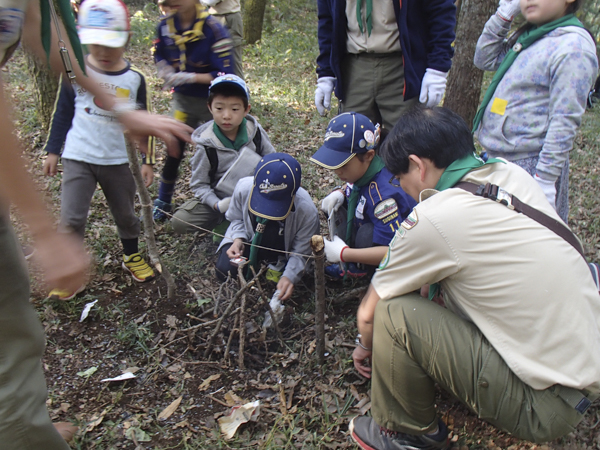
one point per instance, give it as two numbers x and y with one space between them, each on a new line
138 268
62 294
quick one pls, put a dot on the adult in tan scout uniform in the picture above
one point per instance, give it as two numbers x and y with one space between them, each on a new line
518 340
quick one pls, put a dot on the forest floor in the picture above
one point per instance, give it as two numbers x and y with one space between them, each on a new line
178 394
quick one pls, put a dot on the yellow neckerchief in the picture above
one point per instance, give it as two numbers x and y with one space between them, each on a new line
192 35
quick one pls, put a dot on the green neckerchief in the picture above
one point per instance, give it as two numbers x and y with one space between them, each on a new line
261 226
64 8
374 168
241 138
524 41
452 175
369 15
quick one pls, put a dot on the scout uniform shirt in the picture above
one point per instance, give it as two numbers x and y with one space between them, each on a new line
526 289
383 205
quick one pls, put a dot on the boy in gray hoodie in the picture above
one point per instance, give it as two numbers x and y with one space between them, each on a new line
232 134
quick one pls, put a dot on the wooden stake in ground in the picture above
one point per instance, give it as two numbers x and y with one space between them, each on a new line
147 220
318 249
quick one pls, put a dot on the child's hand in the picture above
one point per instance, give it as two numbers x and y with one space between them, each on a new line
236 250
147 174
285 288
50 165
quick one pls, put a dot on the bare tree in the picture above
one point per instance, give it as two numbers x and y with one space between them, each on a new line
254 13
464 79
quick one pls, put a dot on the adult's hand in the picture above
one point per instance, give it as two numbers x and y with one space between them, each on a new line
361 361
141 124
323 93
433 87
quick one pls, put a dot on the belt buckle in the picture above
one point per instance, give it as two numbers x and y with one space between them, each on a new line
505 198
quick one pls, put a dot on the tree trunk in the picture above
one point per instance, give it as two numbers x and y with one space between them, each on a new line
45 87
254 13
464 79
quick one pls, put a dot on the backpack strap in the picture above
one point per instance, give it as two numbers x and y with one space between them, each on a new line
257 140
499 195
213 159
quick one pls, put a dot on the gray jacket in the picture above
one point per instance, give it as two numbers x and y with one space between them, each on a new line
204 137
301 224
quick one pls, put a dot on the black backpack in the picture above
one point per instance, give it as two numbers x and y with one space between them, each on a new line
211 154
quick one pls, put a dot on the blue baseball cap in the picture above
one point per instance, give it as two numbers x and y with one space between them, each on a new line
276 181
347 134
232 80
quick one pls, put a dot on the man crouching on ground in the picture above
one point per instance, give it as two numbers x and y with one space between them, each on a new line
518 341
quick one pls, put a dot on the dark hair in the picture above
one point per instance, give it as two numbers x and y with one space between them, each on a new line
572 8
227 90
438 134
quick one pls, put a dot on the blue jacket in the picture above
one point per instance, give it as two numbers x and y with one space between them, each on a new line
426 30
211 53
383 205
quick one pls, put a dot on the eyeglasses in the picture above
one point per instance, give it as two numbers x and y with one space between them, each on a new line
395 181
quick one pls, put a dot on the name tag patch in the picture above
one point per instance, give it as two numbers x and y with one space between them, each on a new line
360 208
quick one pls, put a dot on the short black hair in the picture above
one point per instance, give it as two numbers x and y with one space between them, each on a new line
437 134
227 90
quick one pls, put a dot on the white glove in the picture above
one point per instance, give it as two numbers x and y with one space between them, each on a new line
508 9
223 205
210 2
549 189
179 78
433 87
164 70
332 202
323 94
334 249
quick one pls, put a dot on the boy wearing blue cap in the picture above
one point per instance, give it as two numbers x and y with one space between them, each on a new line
370 207
272 211
228 148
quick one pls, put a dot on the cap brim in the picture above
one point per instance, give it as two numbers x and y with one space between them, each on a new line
331 159
269 209
99 36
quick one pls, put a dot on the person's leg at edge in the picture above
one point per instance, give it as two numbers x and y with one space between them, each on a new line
193 214
24 420
431 344
78 187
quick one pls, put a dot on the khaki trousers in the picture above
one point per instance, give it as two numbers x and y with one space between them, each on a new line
235 24
24 420
417 343
373 85
194 214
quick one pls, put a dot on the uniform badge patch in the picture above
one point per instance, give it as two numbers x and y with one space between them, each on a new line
411 220
385 208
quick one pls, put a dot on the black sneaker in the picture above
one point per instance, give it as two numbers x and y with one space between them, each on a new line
370 436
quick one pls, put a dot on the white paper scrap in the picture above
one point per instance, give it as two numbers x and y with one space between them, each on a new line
86 310
125 376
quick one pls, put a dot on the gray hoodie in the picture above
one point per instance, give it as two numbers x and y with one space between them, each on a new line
545 90
204 137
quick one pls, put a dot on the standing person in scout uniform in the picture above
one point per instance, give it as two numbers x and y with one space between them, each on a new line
272 211
191 49
228 12
383 57
369 208
502 274
533 107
